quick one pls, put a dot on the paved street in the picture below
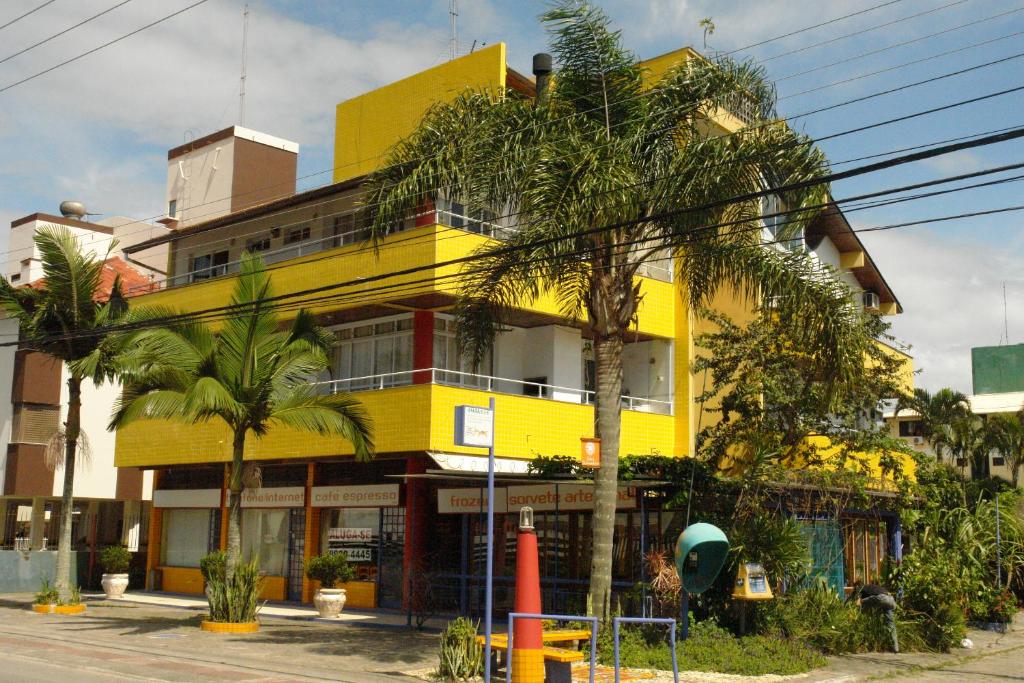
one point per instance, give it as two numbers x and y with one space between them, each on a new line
1004 666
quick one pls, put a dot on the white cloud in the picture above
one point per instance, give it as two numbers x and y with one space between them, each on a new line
951 290
958 162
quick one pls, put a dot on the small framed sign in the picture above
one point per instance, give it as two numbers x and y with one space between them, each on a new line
474 426
590 452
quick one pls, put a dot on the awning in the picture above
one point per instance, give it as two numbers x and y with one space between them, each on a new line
475 464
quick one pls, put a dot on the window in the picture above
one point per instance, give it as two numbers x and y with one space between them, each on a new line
186 537
16 277
998 461
355 533
535 386
257 244
296 235
448 357
775 225
265 536
172 208
209 265
865 546
347 232
374 354
911 428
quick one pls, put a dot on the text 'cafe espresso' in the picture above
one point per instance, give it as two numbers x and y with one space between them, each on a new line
282 529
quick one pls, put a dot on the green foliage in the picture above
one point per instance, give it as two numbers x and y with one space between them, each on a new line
74 596
461 657
47 594
115 559
1004 433
235 600
557 466
330 570
710 648
935 411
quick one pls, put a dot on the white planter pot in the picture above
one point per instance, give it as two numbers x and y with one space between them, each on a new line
329 602
114 585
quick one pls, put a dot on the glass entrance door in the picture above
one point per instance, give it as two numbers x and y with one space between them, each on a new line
391 556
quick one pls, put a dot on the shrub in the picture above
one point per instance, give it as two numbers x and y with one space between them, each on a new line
330 570
47 594
461 657
115 559
235 601
74 596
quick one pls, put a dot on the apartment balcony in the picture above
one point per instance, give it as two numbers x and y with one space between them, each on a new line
416 417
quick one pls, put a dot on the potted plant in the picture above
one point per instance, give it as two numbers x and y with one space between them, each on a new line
115 560
330 570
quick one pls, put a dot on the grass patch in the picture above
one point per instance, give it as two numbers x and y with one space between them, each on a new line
712 649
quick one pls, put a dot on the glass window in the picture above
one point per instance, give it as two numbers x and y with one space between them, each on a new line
257 244
209 265
380 352
186 534
354 532
265 537
172 208
299 234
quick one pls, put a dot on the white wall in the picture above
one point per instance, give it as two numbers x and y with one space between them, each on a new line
201 181
647 370
827 253
8 332
96 478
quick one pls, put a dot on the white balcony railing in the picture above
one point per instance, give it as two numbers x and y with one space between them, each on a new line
499 385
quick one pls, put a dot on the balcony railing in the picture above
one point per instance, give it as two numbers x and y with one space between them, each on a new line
499 385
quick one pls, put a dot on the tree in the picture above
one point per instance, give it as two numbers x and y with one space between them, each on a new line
1005 435
963 437
250 375
772 394
935 411
606 172
63 316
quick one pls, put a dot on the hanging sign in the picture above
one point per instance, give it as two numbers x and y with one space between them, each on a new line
563 497
474 426
281 497
469 500
371 496
590 452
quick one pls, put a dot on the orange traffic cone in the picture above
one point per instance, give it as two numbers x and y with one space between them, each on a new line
527 642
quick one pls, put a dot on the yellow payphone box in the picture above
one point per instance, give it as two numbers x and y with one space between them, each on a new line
752 583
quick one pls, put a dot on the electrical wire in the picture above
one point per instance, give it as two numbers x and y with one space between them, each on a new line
69 29
31 11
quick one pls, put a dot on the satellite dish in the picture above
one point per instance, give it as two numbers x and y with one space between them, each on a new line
70 209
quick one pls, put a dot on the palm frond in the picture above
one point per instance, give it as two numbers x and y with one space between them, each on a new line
337 414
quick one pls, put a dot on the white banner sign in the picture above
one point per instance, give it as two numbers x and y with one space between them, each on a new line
186 498
282 497
380 495
472 500
566 497
474 426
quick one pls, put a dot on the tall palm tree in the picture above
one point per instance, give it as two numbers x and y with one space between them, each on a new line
1005 435
963 437
936 411
63 316
251 375
603 170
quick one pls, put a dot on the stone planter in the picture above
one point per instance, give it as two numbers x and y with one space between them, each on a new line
114 585
225 627
329 602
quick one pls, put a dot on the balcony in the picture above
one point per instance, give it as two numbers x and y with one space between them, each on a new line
488 383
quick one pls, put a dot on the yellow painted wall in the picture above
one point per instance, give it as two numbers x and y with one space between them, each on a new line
656 67
367 126
187 580
906 375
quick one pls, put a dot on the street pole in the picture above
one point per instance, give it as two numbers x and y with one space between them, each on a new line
489 589
999 557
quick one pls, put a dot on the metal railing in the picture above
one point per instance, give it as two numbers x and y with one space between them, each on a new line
499 385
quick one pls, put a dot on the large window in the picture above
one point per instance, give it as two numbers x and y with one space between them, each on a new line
374 354
209 265
265 537
911 428
186 537
447 357
354 533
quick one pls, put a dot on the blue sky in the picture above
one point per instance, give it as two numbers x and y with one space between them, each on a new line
98 130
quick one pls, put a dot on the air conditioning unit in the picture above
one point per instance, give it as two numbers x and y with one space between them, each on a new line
918 440
871 301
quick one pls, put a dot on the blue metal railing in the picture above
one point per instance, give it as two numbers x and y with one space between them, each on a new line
645 620
512 616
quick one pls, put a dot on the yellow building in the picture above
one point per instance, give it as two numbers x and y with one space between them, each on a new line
416 507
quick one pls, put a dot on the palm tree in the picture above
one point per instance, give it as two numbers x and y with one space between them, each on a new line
62 316
603 170
936 411
1005 435
251 375
963 437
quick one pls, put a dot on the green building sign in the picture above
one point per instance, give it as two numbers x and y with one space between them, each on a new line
997 369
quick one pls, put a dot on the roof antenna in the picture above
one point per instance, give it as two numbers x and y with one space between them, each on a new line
453 11
241 80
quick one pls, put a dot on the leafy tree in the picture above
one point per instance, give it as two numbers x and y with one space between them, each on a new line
963 438
935 411
771 391
251 375
63 316
607 171
1005 435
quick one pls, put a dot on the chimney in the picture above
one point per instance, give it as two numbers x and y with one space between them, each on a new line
542 71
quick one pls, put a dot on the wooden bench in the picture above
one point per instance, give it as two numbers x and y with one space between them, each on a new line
557 661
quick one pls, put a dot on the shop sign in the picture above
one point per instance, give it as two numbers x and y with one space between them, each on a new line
186 498
590 452
564 497
471 500
349 534
474 426
281 497
380 495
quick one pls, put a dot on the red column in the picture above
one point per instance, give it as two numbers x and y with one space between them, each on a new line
425 214
416 510
527 644
422 345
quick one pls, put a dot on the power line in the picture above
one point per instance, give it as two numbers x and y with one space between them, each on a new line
31 11
69 29
100 47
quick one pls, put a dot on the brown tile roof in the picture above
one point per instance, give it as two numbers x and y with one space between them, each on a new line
133 283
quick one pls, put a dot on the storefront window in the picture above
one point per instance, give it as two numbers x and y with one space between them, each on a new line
186 534
265 537
354 532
